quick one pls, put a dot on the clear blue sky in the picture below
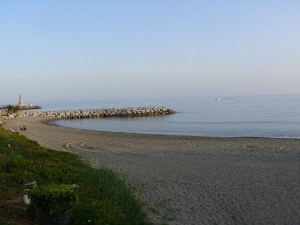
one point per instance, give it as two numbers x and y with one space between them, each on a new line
60 50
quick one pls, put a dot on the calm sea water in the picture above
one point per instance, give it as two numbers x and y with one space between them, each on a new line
233 116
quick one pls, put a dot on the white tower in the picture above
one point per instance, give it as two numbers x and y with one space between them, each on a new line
20 100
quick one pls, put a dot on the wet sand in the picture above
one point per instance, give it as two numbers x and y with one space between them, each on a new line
192 180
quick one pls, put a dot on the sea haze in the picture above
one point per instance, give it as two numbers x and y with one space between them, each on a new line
232 116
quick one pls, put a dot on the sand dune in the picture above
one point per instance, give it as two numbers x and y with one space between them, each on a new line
192 180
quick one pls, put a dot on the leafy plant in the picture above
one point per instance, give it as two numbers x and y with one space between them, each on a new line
54 199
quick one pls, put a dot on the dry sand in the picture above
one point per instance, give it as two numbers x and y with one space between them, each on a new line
192 180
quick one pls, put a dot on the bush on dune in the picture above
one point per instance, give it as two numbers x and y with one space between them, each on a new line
103 197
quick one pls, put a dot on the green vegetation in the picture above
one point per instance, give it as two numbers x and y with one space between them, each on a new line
13 108
103 197
53 198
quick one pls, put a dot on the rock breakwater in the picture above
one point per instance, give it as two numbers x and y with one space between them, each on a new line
29 107
99 113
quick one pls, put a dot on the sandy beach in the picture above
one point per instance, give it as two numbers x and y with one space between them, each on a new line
191 180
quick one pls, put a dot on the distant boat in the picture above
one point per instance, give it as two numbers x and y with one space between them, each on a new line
218 99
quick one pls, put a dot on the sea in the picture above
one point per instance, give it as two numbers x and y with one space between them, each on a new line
215 116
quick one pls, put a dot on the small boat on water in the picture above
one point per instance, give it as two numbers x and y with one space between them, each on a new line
218 99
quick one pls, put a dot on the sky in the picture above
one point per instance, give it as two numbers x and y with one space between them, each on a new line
62 50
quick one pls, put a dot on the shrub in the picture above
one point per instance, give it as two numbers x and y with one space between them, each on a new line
54 199
13 108
104 197
99 212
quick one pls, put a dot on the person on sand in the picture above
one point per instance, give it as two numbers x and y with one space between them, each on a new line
23 128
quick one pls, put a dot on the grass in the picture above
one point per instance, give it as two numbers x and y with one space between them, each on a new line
104 197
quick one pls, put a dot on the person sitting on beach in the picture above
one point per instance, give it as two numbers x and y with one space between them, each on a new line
23 128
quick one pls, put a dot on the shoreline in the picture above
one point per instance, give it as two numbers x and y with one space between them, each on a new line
191 179
48 121
175 135
158 134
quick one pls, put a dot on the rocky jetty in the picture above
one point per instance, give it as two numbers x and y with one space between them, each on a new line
3 118
4 108
29 107
99 113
